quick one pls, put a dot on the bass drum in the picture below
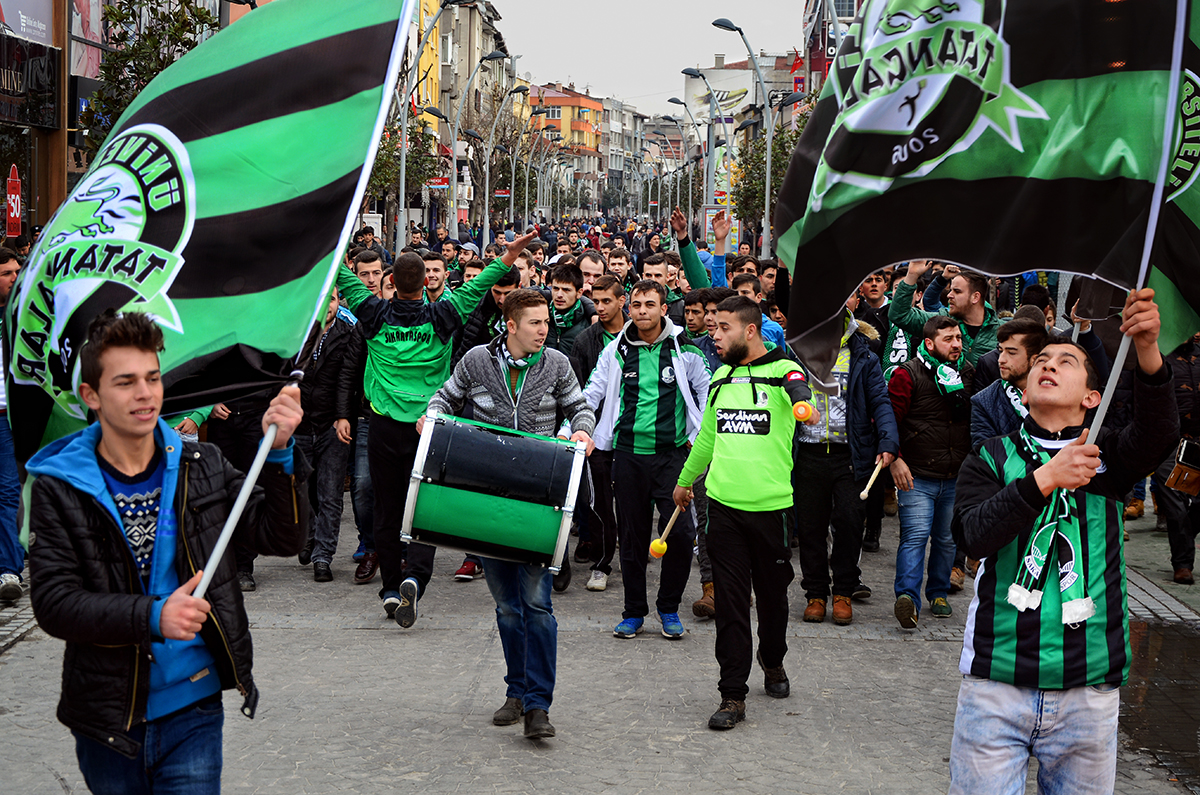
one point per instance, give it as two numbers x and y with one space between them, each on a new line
493 491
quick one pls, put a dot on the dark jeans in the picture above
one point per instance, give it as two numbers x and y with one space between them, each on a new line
700 508
875 499
12 555
748 549
362 496
392 452
528 629
826 492
600 462
1181 533
181 753
238 437
641 482
327 454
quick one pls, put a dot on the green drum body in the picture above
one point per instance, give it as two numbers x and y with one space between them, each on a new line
493 491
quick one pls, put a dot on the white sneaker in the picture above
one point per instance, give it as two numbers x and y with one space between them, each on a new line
11 591
598 581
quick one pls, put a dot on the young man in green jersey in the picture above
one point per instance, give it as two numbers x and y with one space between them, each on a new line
652 383
408 359
748 426
1046 645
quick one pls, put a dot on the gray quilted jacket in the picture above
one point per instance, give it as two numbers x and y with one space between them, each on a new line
550 391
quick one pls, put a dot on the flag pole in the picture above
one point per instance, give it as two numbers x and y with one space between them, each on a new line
235 515
1155 206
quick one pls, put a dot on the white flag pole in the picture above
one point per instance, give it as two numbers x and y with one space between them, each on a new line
1155 207
239 505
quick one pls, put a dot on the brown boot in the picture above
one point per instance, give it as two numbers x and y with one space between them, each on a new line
815 612
843 612
365 572
1184 577
1136 509
705 607
957 578
729 715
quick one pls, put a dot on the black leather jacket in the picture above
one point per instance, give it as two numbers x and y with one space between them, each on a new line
85 589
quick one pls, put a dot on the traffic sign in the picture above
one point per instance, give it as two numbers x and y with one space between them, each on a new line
503 193
14 202
438 183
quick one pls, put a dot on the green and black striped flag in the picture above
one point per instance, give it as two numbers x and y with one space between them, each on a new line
1004 136
220 204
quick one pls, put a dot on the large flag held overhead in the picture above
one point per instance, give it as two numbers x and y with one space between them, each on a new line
1004 136
220 204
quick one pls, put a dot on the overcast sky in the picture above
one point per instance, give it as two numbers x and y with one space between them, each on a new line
633 49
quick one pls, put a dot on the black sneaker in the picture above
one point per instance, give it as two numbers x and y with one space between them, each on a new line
871 540
305 556
583 552
322 572
537 725
861 592
730 714
406 611
563 578
246 581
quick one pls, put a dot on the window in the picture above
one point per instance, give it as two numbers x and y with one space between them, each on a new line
554 112
447 50
845 8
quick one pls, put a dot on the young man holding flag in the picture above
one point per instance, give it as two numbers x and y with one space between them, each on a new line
123 515
1047 640
409 343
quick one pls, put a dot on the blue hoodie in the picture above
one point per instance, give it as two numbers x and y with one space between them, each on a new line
182 671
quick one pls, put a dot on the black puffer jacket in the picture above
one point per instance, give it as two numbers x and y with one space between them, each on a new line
86 590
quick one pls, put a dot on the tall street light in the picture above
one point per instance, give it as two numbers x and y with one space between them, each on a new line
494 55
410 83
437 114
714 109
708 186
528 165
725 24
487 165
542 192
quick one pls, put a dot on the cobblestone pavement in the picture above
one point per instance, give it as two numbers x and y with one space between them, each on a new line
352 703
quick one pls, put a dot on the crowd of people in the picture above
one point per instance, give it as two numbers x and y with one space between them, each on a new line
954 403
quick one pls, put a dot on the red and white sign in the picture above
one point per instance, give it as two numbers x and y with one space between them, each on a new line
503 193
14 202
442 183
653 204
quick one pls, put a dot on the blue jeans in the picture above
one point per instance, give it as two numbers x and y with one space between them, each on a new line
12 556
362 495
528 629
1072 733
181 753
925 513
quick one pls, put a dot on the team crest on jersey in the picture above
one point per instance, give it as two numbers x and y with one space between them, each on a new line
762 399
916 81
668 375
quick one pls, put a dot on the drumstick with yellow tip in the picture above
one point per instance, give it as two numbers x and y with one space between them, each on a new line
658 547
871 482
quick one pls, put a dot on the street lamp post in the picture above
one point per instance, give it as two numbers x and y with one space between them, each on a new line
487 163
528 163
409 84
543 194
708 187
437 114
725 24
494 55
714 108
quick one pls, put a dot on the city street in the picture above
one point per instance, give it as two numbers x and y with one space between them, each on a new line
352 703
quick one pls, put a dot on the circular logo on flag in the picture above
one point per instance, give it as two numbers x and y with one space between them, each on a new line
116 243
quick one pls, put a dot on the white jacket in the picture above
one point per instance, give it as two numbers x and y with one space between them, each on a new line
605 384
